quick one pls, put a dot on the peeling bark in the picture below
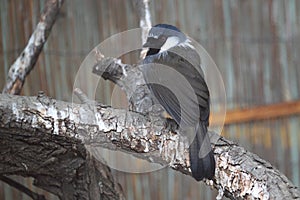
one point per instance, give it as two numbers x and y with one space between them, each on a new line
86 178
37 141
41 137
45 139
239 174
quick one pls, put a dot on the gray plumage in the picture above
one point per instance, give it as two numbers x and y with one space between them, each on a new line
175 78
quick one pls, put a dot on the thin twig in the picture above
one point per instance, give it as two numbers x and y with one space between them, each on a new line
22 188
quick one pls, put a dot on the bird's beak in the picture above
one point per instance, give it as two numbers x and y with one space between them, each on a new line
152 43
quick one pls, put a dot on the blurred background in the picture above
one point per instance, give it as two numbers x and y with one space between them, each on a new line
255 44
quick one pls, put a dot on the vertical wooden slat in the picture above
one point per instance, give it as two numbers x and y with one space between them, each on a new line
294 149
4 39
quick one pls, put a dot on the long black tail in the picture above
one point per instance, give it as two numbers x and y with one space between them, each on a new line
201 155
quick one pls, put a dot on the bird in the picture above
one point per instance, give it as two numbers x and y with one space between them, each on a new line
172 71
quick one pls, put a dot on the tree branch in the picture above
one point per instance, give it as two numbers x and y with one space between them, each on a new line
84 185
26 61
35 143
143 12
22 188
239 174
142 8
56 128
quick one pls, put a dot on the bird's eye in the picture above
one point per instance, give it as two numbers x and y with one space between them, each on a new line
163 37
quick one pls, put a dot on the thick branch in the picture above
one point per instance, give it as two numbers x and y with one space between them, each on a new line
239 173
38 141
81 185
42 122
132 83
26 61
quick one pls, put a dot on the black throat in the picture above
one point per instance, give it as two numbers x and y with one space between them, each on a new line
152 51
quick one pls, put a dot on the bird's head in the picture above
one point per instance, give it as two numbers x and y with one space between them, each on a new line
162 37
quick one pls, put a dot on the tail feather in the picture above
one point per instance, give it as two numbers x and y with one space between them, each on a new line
201 155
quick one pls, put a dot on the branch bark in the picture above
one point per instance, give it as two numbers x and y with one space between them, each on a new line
26 61
44 138
32 144
41 137
239 173
87 178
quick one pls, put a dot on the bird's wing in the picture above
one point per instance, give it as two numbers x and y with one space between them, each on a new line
182 91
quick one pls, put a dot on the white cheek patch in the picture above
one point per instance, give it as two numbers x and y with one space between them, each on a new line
151 35
170 42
